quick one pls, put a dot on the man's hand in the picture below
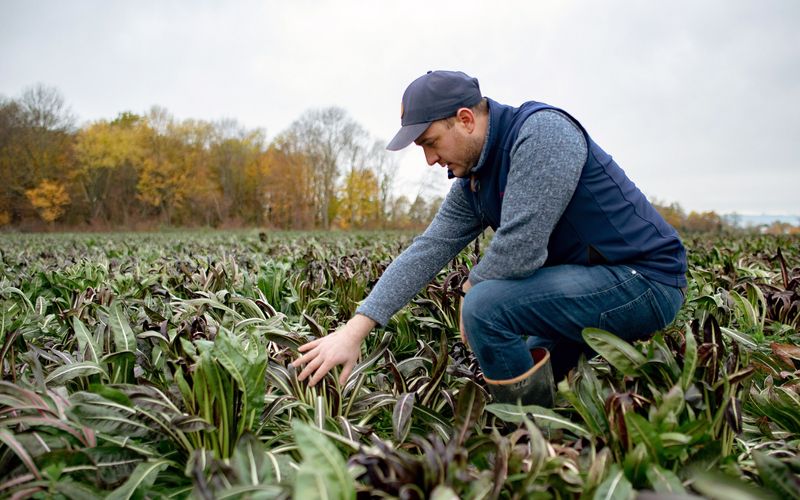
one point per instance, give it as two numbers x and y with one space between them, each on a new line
342 347
464 288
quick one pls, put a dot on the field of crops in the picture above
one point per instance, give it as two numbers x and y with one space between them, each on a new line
156 366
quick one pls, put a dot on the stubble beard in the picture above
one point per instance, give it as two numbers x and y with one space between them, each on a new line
472 153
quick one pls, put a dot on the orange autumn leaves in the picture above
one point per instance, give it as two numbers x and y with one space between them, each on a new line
153 170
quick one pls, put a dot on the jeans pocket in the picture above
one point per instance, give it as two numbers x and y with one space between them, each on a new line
634 320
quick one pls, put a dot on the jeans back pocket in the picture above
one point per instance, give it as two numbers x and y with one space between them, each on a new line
634 320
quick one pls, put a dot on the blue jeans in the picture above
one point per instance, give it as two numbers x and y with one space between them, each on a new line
551 308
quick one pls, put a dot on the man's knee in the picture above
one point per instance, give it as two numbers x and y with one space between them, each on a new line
479 302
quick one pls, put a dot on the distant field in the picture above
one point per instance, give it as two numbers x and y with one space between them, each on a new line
758 220
157 364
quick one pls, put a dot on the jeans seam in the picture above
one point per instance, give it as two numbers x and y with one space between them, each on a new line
660 309
505 366
667 300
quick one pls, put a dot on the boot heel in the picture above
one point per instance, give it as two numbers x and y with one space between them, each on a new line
534 387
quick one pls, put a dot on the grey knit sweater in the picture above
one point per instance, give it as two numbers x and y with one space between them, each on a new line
546 163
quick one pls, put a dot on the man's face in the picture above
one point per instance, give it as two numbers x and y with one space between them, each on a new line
452 147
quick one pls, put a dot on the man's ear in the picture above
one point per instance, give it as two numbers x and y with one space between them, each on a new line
467 118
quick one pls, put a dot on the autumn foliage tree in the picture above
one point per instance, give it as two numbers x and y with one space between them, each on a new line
705 222
236 167
694 222
151 169
140 170
672 213
359 203
49 199
172 151
288 186
36 134
109 157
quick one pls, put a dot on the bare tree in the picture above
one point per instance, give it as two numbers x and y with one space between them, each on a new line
45 109
331 139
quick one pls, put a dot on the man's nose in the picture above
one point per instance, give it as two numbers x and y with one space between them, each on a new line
430 156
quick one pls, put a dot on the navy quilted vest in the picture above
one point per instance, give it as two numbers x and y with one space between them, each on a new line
607 221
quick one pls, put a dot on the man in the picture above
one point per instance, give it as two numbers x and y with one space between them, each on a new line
576 244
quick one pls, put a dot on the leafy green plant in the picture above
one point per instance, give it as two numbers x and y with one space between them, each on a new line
158 365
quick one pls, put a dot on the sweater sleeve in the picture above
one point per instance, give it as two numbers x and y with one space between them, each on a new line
453 227
546 163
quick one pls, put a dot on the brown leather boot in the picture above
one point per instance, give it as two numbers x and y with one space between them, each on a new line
534 387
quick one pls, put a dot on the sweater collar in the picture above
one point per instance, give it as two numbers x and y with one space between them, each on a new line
491 136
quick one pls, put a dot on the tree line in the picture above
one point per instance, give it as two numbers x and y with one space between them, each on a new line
712 222
140 171
151 170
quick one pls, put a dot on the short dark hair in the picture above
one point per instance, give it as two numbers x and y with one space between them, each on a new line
482 108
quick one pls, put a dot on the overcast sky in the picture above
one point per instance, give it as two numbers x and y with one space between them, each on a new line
699 101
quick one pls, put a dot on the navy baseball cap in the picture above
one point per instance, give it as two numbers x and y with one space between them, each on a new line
433 96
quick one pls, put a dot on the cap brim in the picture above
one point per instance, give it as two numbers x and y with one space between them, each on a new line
406 136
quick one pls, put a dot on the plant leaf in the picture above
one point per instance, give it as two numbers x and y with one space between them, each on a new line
689 360
9 440
437 375
719 486
124 339
74 370
738 336
642 431
584 393
248 461
619 353
442 492
544 418
114 463
469 407
664 481
615 487
370 360
252 491
401 416
85 339
323 473
142 478
777 476
190 423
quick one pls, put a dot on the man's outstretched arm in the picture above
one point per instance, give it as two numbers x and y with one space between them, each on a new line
454 226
